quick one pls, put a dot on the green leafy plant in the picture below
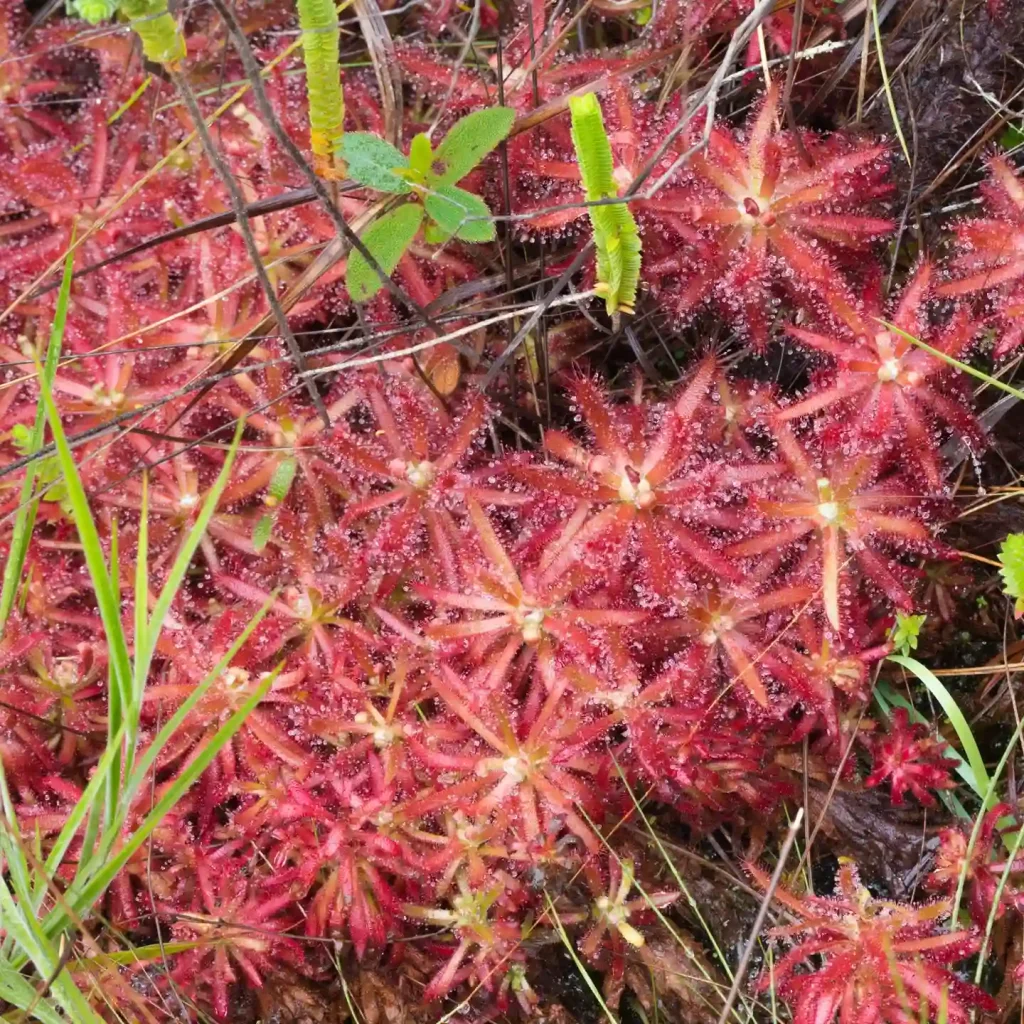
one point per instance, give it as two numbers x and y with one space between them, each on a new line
428 176
1011 555
906 632
615 234
318 20
162 40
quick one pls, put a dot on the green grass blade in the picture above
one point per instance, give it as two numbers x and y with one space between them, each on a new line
92 548
170 727
890 99
107 599
87 804
17 990
670 864
980 781
1009 867
141 593
13 855
138 777
83 895
25 520
144 654
23 927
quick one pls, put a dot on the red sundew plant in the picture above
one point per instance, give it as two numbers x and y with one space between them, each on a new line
611 933
838 508
910 760
982 868
419 454
63 689
645 483
517 613
779 208
54 193
528 611
345 869
25 78
695 20
530 774
991 253
881 961
734 637
896 391
488 938
237 931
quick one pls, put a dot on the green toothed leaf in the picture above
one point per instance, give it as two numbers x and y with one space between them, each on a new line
372 162
468 142
460 213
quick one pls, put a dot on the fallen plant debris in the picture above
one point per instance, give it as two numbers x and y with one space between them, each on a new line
410 623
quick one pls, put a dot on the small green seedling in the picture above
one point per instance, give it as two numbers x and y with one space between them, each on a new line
1011 555
48 477
318 20
906 632
615 235
162 40
428 177
277 490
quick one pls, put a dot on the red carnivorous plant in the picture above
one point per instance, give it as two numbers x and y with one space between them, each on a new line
880 961
991 253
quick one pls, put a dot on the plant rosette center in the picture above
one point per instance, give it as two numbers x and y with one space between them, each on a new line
632 484
383 733
890 365
417 474
756 213
517 768
830 512
103 398
717 626
530 621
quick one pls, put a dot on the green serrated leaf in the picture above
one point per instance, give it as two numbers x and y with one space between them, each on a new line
386 238
460 213
372 162
1011 555
468 142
